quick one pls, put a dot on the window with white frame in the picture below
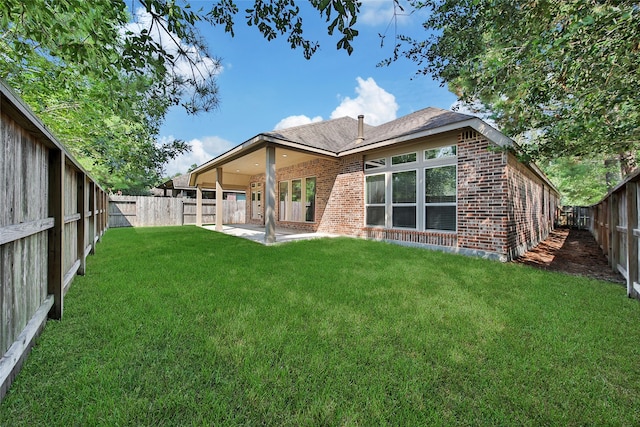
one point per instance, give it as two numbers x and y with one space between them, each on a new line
375 189
396 185
403 206
297 200
440 198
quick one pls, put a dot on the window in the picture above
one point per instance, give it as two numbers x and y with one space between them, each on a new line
415 190
310 200
375 163
404 199
297 200
440 198
404 158
283 199
375 200
440 153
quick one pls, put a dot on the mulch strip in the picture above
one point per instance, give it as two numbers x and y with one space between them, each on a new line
573 252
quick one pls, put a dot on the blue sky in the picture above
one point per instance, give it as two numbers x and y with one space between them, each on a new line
267 85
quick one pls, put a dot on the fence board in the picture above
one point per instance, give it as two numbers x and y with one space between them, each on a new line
141 211
40 189
616 227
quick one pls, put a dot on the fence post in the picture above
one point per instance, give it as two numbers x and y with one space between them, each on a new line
55 284
632 243
82 222
198 205
614 239
92 219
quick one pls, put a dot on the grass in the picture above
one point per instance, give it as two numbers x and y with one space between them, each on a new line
183 326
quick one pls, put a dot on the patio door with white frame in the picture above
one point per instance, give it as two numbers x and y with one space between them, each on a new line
256 200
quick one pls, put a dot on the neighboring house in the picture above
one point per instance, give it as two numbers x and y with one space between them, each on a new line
433 178
179 187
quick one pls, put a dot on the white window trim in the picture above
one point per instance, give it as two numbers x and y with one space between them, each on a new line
386 199
392 205
303 198
420 165
455 204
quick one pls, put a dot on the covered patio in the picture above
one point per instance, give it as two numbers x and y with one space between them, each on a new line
234 170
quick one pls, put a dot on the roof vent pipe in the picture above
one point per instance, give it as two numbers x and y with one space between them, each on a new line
360 129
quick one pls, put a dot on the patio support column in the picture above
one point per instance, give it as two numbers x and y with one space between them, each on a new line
219 200
198 205
270 196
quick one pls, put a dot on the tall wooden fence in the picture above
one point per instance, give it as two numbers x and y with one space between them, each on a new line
614 224
141 211
577 217
52 214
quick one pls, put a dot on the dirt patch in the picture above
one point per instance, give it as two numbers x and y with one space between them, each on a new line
571 251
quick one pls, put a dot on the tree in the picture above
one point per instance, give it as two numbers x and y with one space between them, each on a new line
104 81
562 77
581 181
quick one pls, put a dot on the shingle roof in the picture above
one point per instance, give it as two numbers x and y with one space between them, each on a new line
331 135
340 135
181 181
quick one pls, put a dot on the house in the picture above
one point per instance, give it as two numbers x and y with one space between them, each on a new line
433 178
178 186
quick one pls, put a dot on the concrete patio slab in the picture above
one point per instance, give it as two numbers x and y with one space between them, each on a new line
256 233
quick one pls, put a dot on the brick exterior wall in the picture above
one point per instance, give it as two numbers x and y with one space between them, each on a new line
503 208
482 195
532 207
344 213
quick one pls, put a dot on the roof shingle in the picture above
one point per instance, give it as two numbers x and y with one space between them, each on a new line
340 135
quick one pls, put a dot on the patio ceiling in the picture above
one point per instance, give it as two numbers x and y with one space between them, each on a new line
236 172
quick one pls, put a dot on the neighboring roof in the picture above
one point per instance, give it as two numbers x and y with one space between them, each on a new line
180 182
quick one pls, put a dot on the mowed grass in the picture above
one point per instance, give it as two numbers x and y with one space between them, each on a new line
183 326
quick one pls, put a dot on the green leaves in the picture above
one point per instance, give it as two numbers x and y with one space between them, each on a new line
103 80
567 69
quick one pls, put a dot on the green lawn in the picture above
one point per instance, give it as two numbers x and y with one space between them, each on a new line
183 326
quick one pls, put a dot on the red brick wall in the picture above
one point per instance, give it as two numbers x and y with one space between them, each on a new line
482 195
344 212
531 208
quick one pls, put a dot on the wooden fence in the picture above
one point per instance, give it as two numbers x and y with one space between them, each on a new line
52 214
614 224
578 217
140 211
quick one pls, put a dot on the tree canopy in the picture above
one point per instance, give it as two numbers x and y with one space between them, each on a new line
561 76
103 77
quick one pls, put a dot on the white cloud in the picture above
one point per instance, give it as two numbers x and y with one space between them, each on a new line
195 65
378 13
292 121
377 105
202 150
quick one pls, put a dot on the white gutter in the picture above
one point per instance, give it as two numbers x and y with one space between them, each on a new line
473 123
